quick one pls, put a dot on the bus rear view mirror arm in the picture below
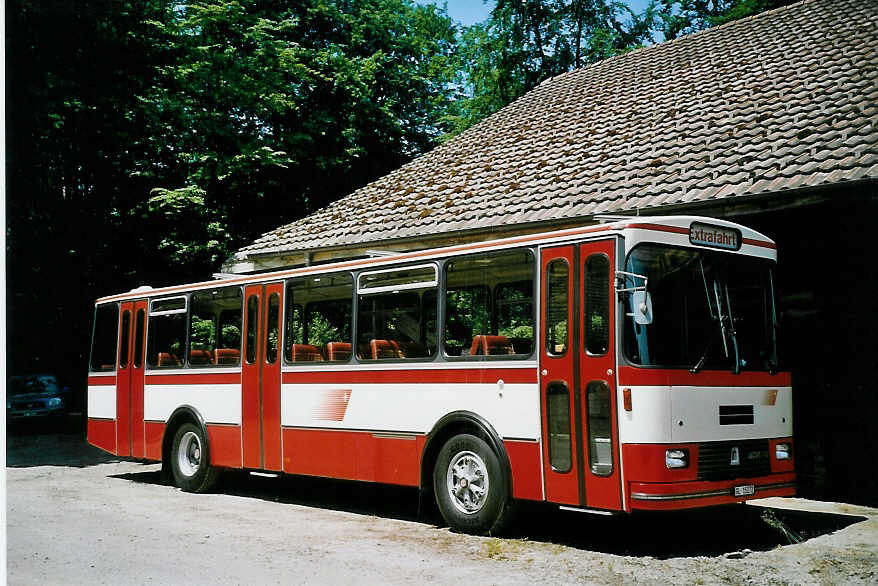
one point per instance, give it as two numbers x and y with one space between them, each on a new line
641 300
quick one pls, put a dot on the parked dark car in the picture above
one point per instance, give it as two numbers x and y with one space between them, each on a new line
36 396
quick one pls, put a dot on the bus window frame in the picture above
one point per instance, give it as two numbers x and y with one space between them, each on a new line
289 302
184 363
535 283
94 324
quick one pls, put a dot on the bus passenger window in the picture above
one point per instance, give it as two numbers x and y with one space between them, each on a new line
318 318
479 323
397 312
271 340
557 307
215 327
597 304
105 337
600 427
138 338
167 333
124 338
252 323
558 417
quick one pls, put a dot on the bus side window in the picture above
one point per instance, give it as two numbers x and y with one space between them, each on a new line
124 339
397 311
557 306
318 319
479 323
597 304
166 342
105 337
215 327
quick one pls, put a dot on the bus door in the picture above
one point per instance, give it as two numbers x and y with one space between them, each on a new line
577 362
130 438
260 397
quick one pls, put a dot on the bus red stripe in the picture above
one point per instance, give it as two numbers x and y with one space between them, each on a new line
101 381
660 377
185 378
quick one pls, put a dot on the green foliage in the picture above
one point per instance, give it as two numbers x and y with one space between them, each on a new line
674 18
231 336
192 234
202 334
320 331
527 41
149 139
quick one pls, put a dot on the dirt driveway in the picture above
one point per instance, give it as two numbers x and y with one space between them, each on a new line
76 516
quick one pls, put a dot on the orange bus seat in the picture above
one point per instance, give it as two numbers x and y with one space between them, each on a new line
229 356
306 353
491 346
200 357
338 351
168 359
383 349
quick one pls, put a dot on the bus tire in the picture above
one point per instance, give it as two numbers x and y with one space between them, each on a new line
190 460
470 486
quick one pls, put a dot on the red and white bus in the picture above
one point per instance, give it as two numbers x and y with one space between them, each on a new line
615 367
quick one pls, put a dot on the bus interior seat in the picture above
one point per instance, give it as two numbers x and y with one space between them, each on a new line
200 357
306 353
168 359
382 349
340 351
491 346
228 356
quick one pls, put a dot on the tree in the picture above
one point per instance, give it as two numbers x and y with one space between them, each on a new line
527 41
146 140
675 18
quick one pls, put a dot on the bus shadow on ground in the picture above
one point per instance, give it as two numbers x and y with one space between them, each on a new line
728 530
52 442
716 531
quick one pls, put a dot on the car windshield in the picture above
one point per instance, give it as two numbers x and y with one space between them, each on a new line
23 385
711 309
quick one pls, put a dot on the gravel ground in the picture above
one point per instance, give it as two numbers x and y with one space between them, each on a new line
76 516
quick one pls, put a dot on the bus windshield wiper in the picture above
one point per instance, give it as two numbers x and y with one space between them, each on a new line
725 327
736 369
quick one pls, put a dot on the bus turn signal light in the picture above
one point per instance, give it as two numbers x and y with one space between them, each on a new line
626 399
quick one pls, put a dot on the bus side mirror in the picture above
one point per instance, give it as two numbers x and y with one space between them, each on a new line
641 306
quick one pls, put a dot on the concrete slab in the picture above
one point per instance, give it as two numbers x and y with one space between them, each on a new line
806 505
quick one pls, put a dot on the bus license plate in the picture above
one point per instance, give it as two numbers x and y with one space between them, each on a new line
745 490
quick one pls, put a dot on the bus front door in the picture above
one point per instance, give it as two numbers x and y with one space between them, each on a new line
577 378
261 377
130 438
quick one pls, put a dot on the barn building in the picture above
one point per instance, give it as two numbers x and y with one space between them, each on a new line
770 121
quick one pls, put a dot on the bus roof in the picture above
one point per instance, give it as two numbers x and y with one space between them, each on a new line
660 224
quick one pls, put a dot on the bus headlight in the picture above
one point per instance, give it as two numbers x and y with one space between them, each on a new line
782 451
676 458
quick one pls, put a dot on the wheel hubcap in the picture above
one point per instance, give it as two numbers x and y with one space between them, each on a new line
467 482
189 454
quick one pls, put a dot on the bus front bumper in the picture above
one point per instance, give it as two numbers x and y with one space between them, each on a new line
683 495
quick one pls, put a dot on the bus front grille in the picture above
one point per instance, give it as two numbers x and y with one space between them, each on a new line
726 460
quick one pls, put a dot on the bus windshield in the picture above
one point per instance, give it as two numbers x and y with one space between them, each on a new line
712 310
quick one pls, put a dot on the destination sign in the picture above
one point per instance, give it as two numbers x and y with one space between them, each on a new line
714 236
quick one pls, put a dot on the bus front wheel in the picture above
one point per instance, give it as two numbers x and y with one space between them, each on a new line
190 461
470 487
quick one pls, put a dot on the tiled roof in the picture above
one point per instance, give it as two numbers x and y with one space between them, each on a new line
783 100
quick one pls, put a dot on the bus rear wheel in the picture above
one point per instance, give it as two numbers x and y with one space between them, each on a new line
470 487
190 460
